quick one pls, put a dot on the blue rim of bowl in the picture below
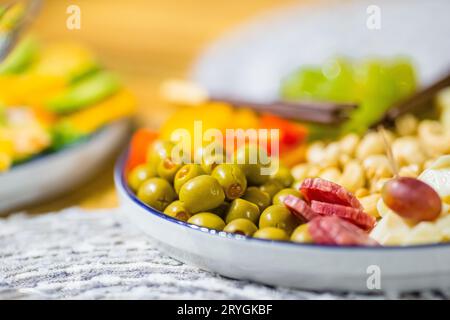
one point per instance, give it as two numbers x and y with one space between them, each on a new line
120 182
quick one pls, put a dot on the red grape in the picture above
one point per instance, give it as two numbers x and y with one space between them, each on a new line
412 199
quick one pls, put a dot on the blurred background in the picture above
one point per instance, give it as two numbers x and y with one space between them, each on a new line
256 50
146 42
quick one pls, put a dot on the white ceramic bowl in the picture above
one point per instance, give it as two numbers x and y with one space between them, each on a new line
249 64
288 264
53 174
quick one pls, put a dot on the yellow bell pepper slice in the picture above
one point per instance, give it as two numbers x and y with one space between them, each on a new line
86 121
29 89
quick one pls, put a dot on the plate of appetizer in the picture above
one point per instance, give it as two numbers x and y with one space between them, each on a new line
330 221
61 116
355 202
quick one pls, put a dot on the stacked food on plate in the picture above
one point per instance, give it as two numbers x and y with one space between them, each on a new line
343 184
52 96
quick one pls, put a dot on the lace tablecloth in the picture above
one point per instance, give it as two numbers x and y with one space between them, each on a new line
76 254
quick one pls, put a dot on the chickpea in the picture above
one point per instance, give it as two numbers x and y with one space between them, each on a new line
300 171
377 184
331 174
434 137
344 159
413 171
331 155
348 144
353 177
369 204
315 152
314 171
305 170
377 166
407 151
406 125
372 143
362 192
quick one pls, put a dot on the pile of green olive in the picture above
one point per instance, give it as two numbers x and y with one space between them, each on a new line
231 197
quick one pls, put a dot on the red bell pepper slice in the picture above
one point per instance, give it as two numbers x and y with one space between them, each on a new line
291 133
139 145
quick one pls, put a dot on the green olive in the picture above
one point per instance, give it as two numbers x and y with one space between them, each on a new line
157 193
241 226
221 210
278 216
283 175
271 187
212 161
252 160
301 234
271 233
202 193
232 180
282 194
167 169
177 210
158 151
241 208
186 173
139 174
207 220
258 197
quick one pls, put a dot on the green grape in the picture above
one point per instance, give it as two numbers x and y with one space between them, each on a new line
305 82
375 85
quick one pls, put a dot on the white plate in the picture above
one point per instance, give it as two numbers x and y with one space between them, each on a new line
288 264
250 62
59 172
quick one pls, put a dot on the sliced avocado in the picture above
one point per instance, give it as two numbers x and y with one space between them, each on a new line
84 92
21 57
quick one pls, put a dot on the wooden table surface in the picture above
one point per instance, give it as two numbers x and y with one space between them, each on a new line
146 41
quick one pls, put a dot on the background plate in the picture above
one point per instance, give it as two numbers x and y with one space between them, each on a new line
250 62
56 173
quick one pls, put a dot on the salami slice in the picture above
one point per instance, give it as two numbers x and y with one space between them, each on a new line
355 216
299 208
333 230
326 191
